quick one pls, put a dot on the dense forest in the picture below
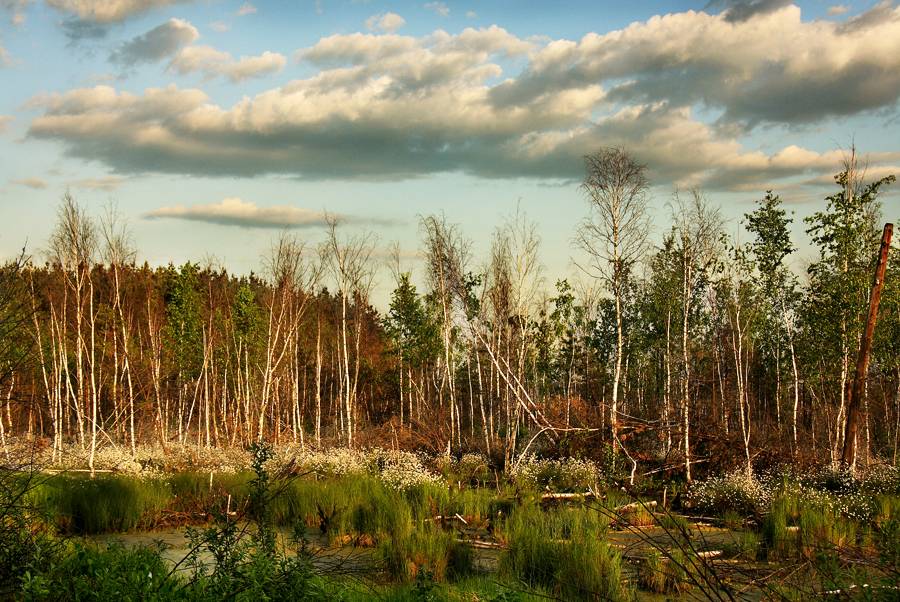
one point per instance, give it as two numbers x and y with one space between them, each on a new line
697 351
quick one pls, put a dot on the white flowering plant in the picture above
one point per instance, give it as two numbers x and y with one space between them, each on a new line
564 474
736 491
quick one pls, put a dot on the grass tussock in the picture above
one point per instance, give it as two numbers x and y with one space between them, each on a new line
564 552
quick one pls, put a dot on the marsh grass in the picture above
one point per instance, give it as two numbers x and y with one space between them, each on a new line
426 550
780 540
823 528
103 504
652 574
564 551
744 545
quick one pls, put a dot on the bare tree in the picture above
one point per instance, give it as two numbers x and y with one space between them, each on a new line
697 230
446 255
349 260
73 247
118 252
293 274
614 236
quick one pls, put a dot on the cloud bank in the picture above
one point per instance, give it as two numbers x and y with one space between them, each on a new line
393 107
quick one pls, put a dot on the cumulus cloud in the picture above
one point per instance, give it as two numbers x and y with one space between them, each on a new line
34 183
108 11
438 8
837 9
773 67
157 44
5 120
234 211
387 22
211 63
392 106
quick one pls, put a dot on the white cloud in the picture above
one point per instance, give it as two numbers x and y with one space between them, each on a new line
34 183
772 67
160 42
211 63
838 9
5 120
105 184
392 106
236 212
219 26
439 8
246 9
108 11
471 14
386 22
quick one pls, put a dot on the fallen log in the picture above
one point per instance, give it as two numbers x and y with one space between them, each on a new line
480 543
634 506
567 496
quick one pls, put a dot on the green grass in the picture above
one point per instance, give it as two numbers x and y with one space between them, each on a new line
652 573
779 539
103 504
425 550
564 552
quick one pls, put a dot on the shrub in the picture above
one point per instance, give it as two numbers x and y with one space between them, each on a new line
566 474
736 492
26 545
114 573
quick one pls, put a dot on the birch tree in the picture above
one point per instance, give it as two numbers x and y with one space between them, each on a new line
614 236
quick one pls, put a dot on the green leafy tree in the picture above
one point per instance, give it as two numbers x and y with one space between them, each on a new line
770 225
847 235
412 330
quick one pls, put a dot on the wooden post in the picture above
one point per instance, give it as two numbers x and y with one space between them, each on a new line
862 361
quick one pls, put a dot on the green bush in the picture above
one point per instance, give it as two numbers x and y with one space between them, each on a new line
114 573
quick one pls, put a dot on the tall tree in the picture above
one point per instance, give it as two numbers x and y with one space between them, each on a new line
771 246
614 235
696 235
847 234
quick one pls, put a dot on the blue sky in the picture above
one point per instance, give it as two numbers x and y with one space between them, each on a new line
214 124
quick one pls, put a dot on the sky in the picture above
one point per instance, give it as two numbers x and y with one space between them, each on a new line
213 125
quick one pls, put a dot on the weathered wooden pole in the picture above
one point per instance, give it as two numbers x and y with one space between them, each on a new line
862 361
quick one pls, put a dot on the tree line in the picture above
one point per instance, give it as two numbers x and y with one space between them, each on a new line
700 349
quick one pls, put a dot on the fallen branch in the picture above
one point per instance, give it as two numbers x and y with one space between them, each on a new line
634 506
567 496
